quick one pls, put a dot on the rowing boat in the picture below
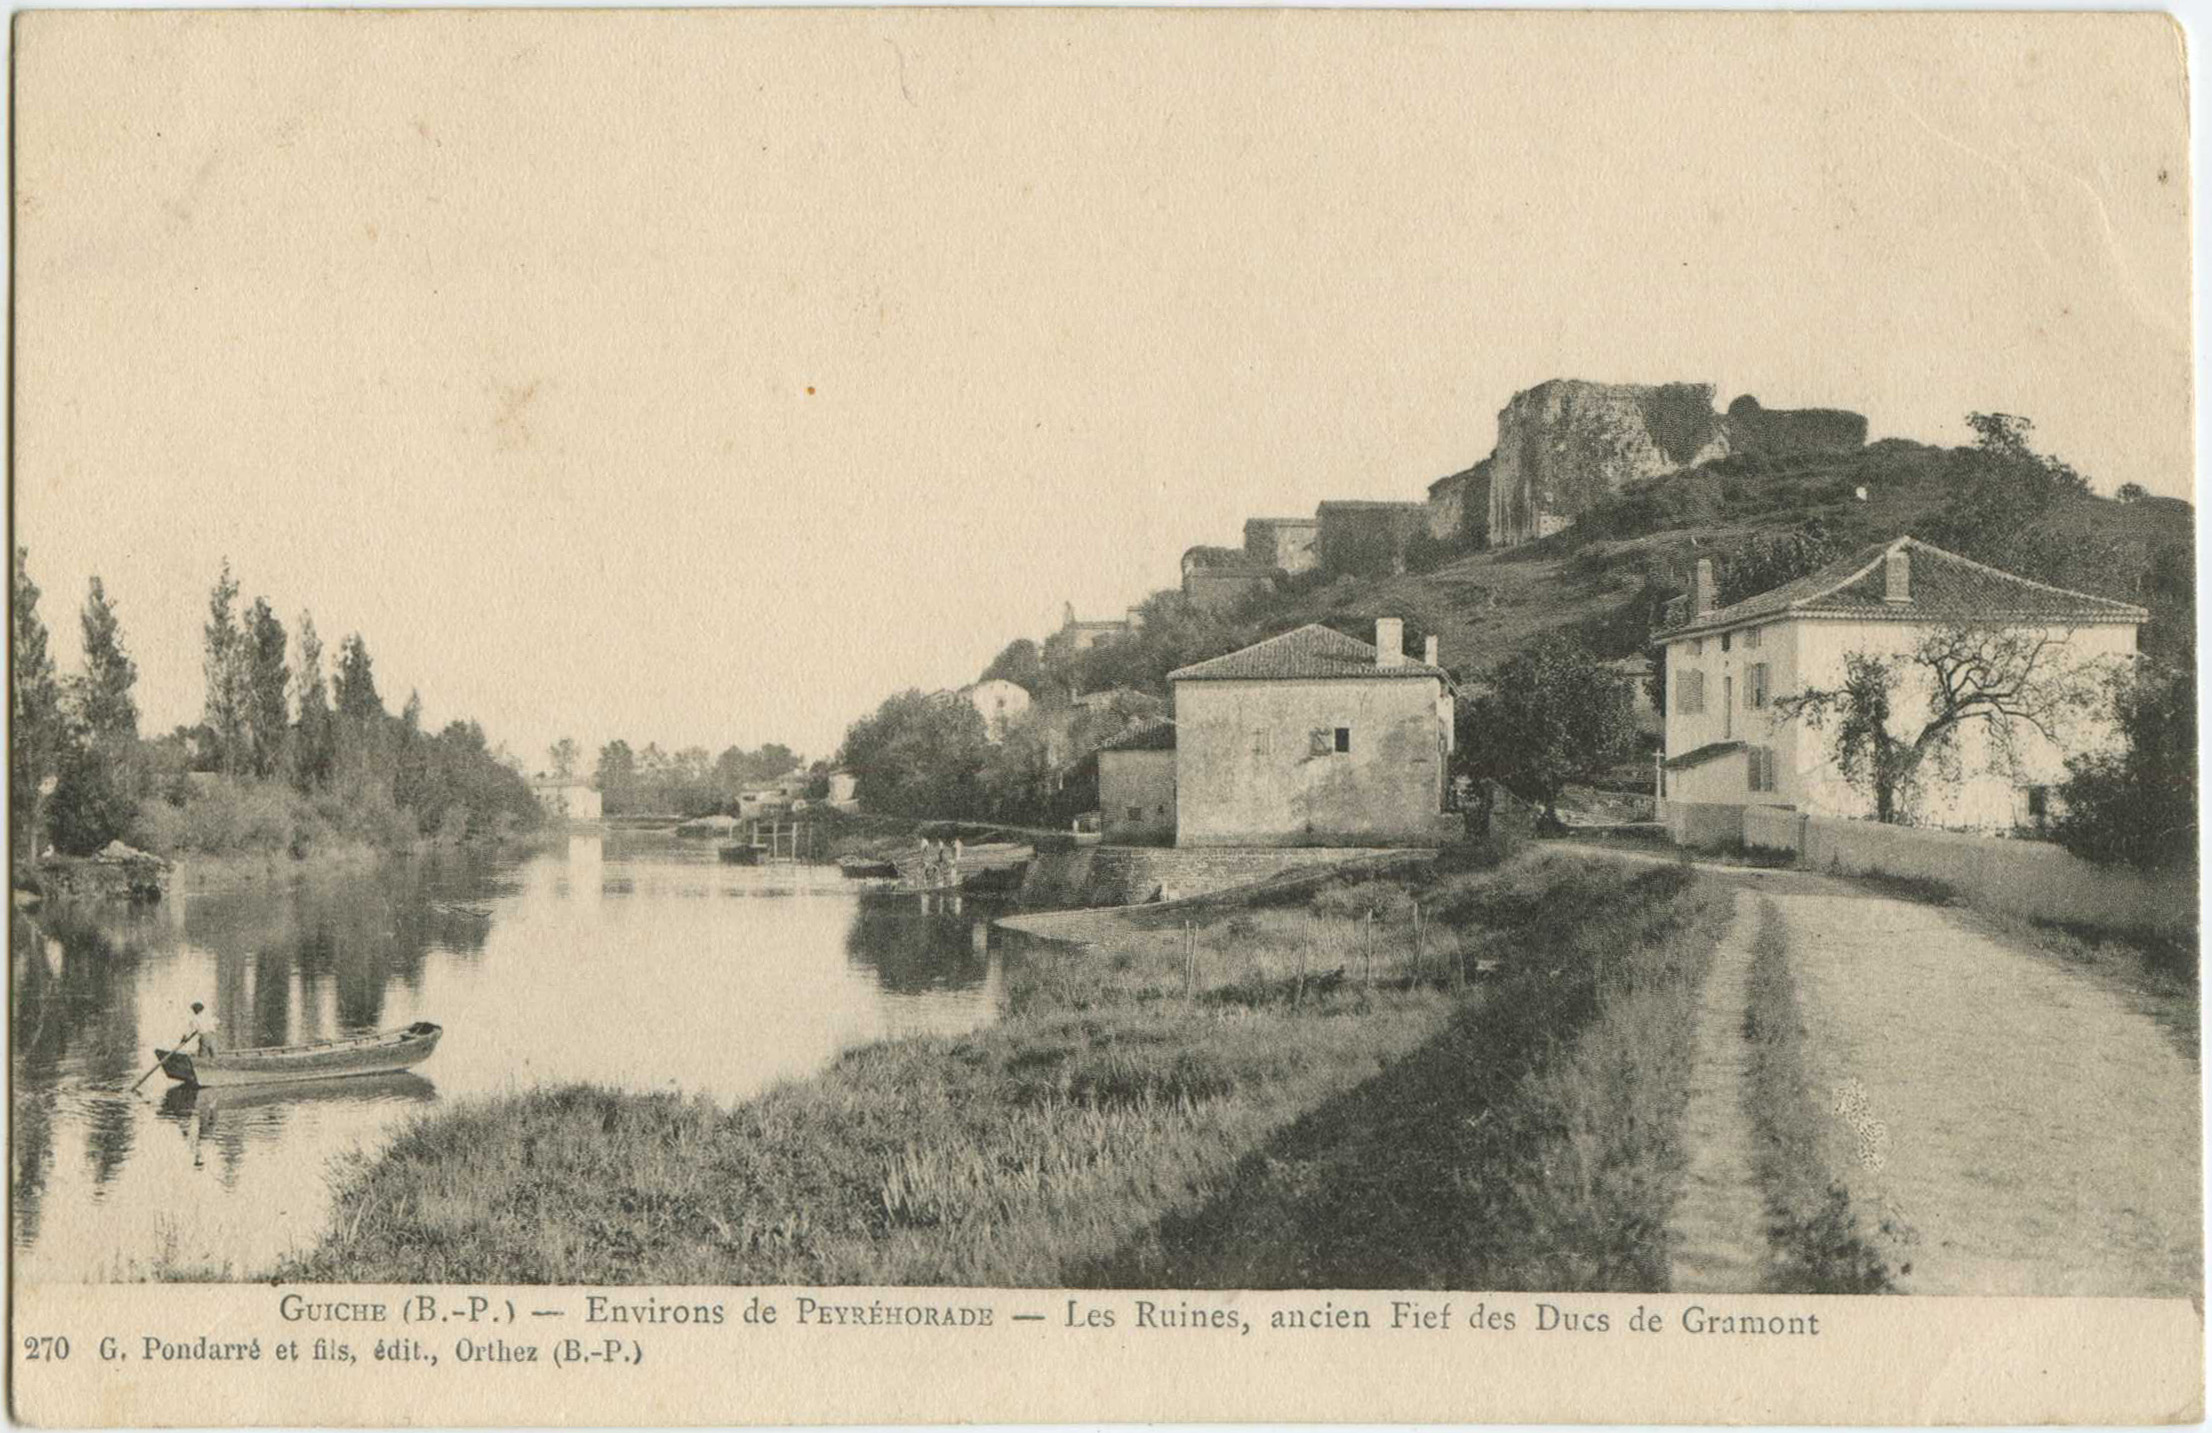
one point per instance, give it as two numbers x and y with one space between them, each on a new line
317 1060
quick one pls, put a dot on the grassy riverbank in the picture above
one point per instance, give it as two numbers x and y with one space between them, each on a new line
1315 1099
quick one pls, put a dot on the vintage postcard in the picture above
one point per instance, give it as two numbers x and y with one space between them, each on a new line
879 716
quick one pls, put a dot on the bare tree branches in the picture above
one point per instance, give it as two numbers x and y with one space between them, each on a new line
2000 677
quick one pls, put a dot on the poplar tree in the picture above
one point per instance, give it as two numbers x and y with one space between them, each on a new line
268 689
37 735
105 701
314 737
223 667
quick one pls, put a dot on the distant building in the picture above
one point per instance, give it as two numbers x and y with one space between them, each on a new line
1136 784
566 798
1083 635
844 791
1216 579
999 702
1313 738
1282 543
762 801
1367 539
1727 666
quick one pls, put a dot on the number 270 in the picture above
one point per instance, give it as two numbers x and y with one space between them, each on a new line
38 1346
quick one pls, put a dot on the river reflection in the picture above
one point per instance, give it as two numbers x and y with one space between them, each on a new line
631 960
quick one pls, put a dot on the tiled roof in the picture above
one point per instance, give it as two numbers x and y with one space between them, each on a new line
1371 505
1312 651
1945 588
1155 735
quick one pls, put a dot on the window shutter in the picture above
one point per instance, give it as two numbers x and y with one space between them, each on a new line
1324 741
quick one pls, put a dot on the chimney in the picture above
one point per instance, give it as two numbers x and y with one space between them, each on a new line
1704 603
1390 642
1428 653
1897 576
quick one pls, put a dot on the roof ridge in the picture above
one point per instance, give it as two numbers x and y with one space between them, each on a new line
1834 587
2013 576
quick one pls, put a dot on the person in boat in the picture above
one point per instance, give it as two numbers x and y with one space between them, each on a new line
203 1030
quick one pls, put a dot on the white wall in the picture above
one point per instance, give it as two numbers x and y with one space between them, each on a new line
1805 653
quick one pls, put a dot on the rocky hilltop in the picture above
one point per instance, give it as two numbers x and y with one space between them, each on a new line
1566 444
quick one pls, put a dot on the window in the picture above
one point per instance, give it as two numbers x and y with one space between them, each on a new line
1751 639
1343 738
1760 767
1689 693
1263 743
1323 741
1136 813
1697 646
1727 706
1755 685
1724 641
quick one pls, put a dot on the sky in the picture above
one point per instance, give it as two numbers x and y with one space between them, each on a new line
703 378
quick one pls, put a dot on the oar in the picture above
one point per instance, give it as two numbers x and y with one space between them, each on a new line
142 1079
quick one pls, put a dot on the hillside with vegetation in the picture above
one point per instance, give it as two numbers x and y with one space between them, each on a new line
1598 589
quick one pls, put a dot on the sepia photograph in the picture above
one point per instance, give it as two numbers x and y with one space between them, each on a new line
1110 664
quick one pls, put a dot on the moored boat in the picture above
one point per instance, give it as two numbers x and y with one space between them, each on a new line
318 1060
740 854
864 868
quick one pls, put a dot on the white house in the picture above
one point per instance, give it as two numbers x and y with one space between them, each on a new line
1313 738
1727 744
999 702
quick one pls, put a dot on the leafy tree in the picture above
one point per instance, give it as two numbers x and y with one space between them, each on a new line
223 665
616 777
1768 561
1997 678
355 686
563 755
36 732
315 737
1551 714
105 702
100 769
775 760
917 755
268 690
2138 805
2018 509
1021 663
2132 492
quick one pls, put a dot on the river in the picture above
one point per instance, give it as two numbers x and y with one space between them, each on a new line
633 960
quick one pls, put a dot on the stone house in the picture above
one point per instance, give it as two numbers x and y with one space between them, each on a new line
999 702
1136 785
1284 544
1726 743
1313 738
1082 635
1366 538
1216 579
844 791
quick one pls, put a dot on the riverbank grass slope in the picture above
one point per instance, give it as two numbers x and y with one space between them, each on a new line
1315 1098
